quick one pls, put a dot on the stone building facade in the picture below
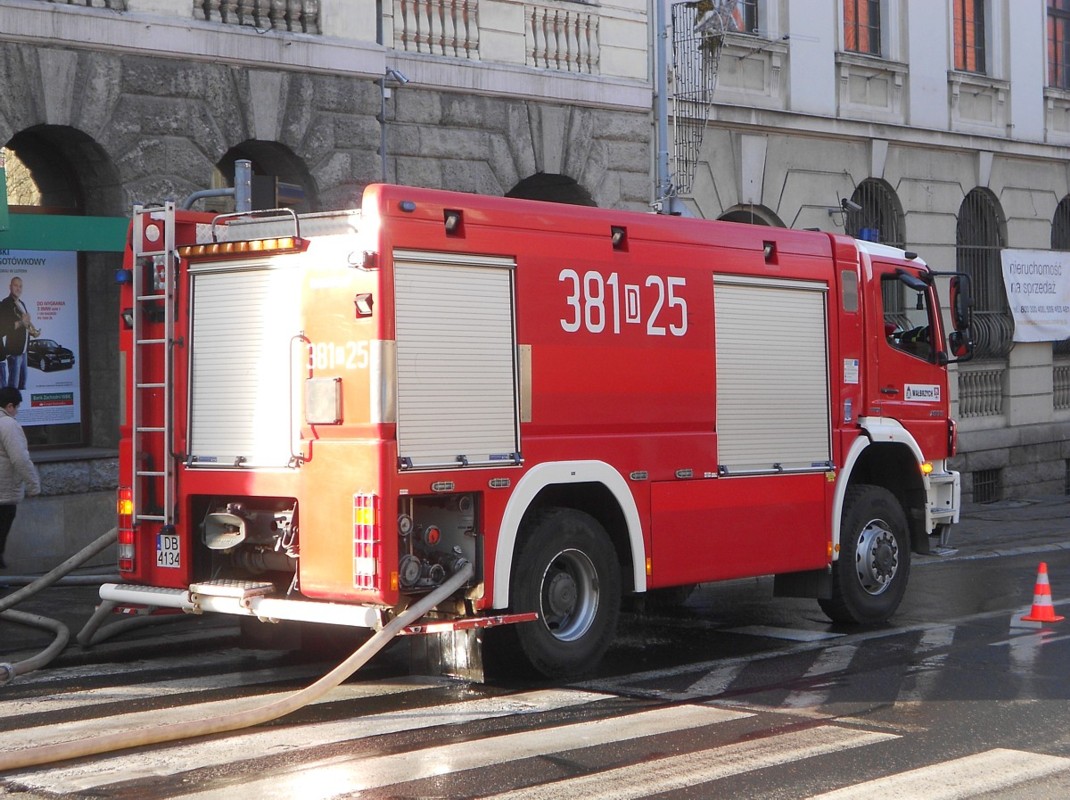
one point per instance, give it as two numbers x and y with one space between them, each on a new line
949 125
109 103
942 132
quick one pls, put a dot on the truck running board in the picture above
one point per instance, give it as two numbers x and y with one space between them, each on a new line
248 599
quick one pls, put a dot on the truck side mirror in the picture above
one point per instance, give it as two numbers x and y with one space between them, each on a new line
961 302
960 345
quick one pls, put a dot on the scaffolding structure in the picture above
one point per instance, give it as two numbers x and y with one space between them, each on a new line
697 35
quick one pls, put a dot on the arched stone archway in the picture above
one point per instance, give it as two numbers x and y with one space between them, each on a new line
554 188
64 168
271 159
61 169
752 215
554 153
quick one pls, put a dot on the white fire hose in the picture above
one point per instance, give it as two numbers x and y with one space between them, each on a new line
9 671
47 754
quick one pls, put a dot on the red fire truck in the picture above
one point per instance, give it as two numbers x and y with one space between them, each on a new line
327 415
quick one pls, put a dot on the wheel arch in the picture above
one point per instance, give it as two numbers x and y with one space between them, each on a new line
886 455
593 487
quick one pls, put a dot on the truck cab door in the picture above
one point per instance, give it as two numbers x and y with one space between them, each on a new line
911 376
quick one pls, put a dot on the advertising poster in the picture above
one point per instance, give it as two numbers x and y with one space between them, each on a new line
39 334
1038 290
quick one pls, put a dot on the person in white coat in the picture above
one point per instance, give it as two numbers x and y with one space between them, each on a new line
18 476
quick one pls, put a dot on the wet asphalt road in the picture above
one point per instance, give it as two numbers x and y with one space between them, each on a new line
955 675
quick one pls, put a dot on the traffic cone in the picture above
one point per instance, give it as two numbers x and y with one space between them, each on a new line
1043 610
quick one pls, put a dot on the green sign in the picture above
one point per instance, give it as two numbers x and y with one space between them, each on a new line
61 232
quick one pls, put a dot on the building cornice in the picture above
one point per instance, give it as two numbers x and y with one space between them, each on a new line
753 120
99 30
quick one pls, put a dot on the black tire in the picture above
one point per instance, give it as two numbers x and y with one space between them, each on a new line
870 577
566 571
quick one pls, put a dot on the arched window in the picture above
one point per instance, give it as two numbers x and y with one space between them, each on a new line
1060 240
1060 226
979 238
553 188
280 178
879 216
752 215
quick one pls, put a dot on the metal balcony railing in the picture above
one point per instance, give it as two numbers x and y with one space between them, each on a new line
1061 386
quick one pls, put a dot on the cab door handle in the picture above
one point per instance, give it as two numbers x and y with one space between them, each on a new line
889 390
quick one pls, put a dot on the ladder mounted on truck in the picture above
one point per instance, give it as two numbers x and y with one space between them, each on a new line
154 264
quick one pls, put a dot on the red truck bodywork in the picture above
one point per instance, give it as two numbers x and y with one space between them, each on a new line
441 377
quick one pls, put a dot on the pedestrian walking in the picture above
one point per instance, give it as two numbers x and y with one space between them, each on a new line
18 476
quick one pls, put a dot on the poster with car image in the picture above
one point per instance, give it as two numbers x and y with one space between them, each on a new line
39 334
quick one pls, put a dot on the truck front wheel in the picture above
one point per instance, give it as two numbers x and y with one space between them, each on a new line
870 577
568 573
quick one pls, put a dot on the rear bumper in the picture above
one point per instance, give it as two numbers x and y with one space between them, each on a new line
244 600
248 599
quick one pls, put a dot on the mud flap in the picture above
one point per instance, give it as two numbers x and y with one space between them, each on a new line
814 583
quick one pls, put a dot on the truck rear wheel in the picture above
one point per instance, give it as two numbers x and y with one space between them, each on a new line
567 572
870 577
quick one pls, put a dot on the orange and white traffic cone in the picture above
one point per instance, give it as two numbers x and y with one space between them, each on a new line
1043 610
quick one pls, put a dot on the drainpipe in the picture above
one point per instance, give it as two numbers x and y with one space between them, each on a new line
666 200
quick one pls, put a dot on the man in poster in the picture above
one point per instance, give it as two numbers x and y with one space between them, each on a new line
16 329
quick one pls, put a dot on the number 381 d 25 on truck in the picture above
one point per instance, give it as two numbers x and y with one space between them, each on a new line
328 415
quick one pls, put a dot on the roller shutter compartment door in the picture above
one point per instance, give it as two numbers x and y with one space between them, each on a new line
243 324
456 360
772 375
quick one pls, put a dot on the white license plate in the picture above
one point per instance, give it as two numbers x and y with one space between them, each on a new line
168 550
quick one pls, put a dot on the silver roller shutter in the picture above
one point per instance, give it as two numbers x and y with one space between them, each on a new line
243 322
456 360
772 375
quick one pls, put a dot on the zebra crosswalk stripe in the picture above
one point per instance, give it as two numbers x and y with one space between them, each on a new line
959 779
332 777
88 728
693 769
102 770
128 693
830 661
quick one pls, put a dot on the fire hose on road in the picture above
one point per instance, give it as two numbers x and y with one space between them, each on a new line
47 754
9 671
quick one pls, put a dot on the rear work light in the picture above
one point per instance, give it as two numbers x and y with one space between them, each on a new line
282 244
124 508
366 541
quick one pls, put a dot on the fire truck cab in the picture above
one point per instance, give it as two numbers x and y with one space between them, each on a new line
327 415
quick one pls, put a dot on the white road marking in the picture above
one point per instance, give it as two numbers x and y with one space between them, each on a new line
693 769
328 778
961 778
189 755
